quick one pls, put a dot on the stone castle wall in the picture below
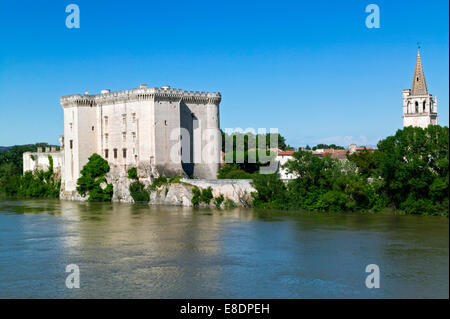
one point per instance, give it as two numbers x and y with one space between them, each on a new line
40 161
141 126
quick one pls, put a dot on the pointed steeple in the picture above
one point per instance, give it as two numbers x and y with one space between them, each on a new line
419 86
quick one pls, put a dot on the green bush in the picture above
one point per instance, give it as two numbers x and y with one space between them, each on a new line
233 171
201 196
37 184
229 204
138 192
271 191
157 182
132 173
93 176
218 201
196 194
207 195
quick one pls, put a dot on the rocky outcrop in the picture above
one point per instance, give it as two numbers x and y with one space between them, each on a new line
178 194
238 190
74 196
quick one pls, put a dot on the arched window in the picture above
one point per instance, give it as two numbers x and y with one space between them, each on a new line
424 103
417 107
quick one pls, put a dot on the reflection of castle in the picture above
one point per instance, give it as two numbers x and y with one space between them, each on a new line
141 127
419 107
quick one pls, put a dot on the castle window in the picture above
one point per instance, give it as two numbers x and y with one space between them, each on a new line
424 105
124 119
124 136
92 128
165 122
133 116
417 79
115 153
124 153
106 139
106 122
70 126
106 153
71 144
417 107
133 134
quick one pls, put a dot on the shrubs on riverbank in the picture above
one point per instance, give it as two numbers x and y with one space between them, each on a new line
200 196
93 180
37 184
408 171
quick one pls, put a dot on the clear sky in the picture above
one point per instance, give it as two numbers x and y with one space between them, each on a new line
311 69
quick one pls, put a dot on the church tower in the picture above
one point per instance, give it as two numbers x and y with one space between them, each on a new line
419 107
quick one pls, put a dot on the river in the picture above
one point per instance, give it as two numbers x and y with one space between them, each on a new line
137 251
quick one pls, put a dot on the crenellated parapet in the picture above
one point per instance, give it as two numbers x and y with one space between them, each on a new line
164 93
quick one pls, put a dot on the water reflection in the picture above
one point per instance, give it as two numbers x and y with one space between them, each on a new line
139 251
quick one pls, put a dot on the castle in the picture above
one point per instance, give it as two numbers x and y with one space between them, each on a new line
419 107
165 131
170 131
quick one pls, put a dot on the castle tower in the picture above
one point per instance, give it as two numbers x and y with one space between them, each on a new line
164 130
419 107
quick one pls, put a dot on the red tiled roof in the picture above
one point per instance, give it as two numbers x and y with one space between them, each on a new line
361 148
285 153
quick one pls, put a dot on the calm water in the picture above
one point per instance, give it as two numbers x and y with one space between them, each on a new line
131 251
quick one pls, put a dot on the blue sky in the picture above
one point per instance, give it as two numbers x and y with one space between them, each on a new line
311 69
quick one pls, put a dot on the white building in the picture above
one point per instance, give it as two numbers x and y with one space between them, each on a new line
40 160
419 107
282 158
170 130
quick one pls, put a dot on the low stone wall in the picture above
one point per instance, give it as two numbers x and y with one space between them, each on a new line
177 193
180 194
238 190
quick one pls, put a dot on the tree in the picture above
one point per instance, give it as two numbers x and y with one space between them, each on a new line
36 184
138 192
250 140
232 171
414 166
326 146
271 191
367 162
93 180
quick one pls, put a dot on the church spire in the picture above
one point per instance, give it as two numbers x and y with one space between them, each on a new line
419 86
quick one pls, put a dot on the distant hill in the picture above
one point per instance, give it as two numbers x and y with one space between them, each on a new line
4 148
